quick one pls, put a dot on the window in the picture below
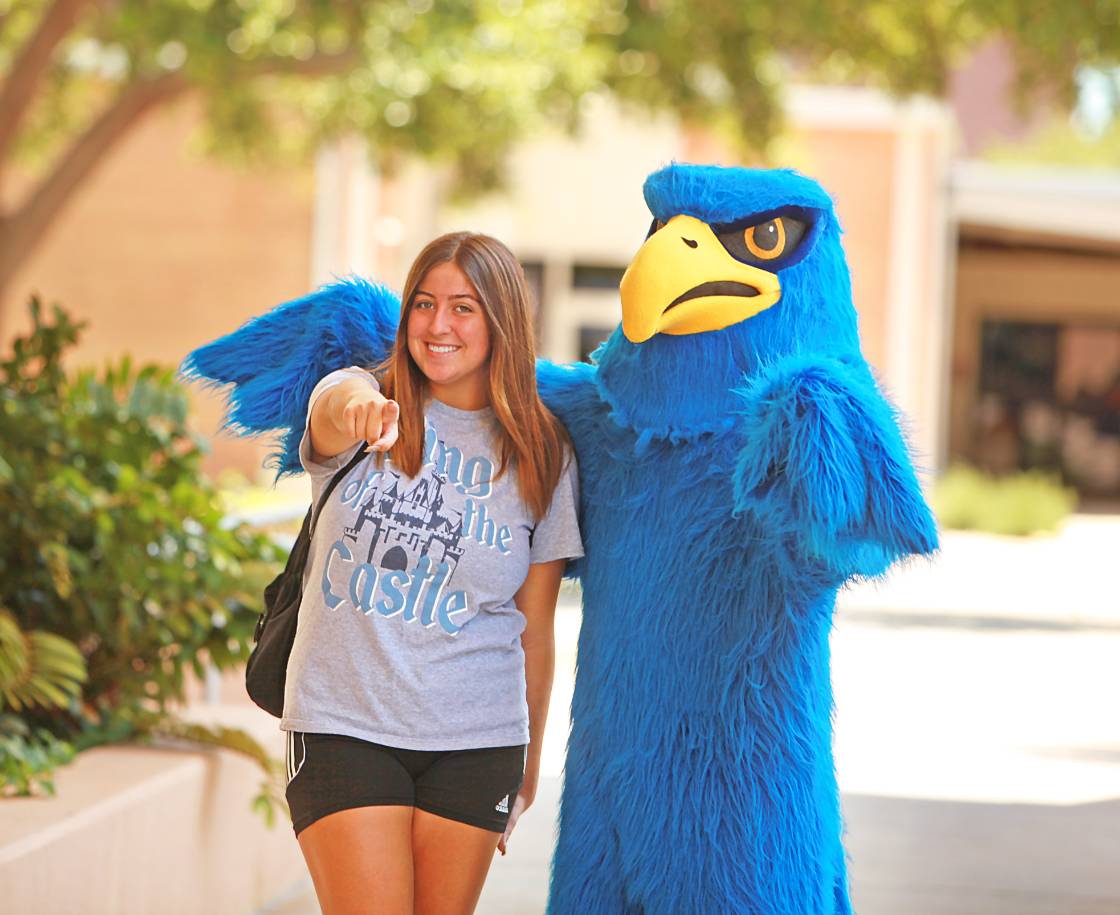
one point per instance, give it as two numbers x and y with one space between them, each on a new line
590 337
590 276
534 279
1048 400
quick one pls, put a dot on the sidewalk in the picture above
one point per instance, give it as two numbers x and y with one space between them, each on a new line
977 740
1069 579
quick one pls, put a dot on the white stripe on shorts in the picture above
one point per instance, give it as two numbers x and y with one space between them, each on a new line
290 765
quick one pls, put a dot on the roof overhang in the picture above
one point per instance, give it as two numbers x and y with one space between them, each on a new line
1062 207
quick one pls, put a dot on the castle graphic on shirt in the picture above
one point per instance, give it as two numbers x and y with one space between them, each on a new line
416 539
405 522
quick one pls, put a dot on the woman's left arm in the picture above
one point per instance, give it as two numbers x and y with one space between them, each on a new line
536 600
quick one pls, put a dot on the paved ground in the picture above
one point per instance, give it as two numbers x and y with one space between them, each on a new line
977 736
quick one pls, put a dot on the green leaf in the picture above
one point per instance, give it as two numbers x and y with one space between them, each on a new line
98 630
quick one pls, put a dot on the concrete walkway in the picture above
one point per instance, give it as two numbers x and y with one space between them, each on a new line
977 737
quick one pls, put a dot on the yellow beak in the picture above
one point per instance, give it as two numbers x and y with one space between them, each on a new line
683 281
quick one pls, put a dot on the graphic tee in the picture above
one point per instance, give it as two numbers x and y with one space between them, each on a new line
408 634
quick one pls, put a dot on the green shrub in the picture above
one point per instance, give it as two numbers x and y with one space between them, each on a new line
28 757
117 575
1020 504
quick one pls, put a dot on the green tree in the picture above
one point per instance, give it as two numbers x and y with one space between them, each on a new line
461 80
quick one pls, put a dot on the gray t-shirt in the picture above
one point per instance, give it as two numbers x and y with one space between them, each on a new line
408 634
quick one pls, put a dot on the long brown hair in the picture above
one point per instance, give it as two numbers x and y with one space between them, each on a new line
531 437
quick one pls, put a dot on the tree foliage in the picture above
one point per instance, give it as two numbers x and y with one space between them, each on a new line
459 81
37 668
462 79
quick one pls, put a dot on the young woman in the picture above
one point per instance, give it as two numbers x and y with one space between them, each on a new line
419 681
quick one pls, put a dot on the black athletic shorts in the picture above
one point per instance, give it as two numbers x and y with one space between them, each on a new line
327 773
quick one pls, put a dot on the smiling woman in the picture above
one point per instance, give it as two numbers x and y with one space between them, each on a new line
420 674
449 339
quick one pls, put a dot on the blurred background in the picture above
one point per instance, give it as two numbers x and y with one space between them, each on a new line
170 170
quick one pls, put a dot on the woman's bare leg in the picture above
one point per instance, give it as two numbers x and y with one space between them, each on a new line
451 860
361 861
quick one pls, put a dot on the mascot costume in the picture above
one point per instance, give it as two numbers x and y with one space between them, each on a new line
738 464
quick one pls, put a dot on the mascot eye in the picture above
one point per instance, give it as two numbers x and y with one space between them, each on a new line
656 226
767 240
772 243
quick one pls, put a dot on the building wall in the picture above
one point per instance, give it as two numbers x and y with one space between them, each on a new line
162 250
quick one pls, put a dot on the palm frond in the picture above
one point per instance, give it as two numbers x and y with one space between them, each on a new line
37 668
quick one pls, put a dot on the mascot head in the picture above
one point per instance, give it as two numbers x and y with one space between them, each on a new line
740 267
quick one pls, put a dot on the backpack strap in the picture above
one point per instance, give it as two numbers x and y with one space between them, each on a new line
297 555
313 513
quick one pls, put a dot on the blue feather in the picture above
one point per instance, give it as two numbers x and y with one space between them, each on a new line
268 366
715 194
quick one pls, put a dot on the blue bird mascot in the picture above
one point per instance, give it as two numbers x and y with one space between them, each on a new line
738 464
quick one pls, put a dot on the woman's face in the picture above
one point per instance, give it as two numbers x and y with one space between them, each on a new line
449 339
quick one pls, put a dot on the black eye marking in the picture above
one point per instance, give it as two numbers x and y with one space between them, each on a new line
773 240
689 242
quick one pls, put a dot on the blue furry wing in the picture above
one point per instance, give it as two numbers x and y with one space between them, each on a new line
570 392
270 364
824 462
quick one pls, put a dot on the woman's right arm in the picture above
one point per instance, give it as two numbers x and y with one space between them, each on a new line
351 410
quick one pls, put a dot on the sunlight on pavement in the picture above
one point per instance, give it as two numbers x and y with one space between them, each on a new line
1008 717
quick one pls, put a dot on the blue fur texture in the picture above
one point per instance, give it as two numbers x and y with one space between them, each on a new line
714 194
731 482
269 365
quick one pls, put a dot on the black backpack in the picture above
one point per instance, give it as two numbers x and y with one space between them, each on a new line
267 669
